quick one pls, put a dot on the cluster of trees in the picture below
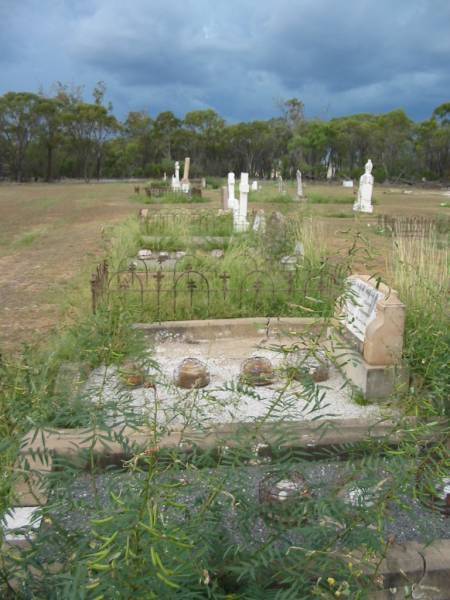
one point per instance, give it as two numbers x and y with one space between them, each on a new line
48 136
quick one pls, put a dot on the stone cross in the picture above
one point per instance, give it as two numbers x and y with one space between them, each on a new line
299 184
364 199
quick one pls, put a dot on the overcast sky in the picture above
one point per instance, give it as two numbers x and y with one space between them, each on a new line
239 57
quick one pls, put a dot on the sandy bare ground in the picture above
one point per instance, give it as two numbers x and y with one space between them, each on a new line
49 234
50 237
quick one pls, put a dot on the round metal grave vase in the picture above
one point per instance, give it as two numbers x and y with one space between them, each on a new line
257 370
433 485
192 373
301 367
362 494
131 374
284 497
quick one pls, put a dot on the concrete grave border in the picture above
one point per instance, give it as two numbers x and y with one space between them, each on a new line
405 565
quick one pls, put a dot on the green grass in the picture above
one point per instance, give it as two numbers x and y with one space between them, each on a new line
270 194
28 238
318 198
420 272
182 225
312 290
170 198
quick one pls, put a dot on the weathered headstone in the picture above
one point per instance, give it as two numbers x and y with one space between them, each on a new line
254 186
203 183
259 222
299 184
240 212
185 185
225 204
289 263
369 344
330 171
280 184
69 379
348 183
275 235
299 249
232 201
176 186
364 200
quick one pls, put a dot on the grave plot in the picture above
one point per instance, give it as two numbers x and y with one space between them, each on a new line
410 227
229 458
213 500
230 370
259 273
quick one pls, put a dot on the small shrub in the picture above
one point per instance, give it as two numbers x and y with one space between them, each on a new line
215 182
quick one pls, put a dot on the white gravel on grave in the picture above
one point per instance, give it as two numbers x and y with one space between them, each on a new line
224 400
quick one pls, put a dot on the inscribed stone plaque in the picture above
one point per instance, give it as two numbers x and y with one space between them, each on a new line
360 306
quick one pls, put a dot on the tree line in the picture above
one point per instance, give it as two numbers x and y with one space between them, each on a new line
59 134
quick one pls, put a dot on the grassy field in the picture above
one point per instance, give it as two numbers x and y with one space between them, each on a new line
51 237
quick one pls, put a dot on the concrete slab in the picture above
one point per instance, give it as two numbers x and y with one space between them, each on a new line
20 523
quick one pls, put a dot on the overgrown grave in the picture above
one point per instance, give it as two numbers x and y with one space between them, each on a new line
171 482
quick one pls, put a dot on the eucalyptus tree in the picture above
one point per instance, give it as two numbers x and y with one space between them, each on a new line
18 127
50 129
88 127
138 130
207 131
165 126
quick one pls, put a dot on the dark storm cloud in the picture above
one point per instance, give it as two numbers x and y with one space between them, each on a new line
236 56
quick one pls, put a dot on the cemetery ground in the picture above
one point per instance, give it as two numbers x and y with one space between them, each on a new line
147 491
49 234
